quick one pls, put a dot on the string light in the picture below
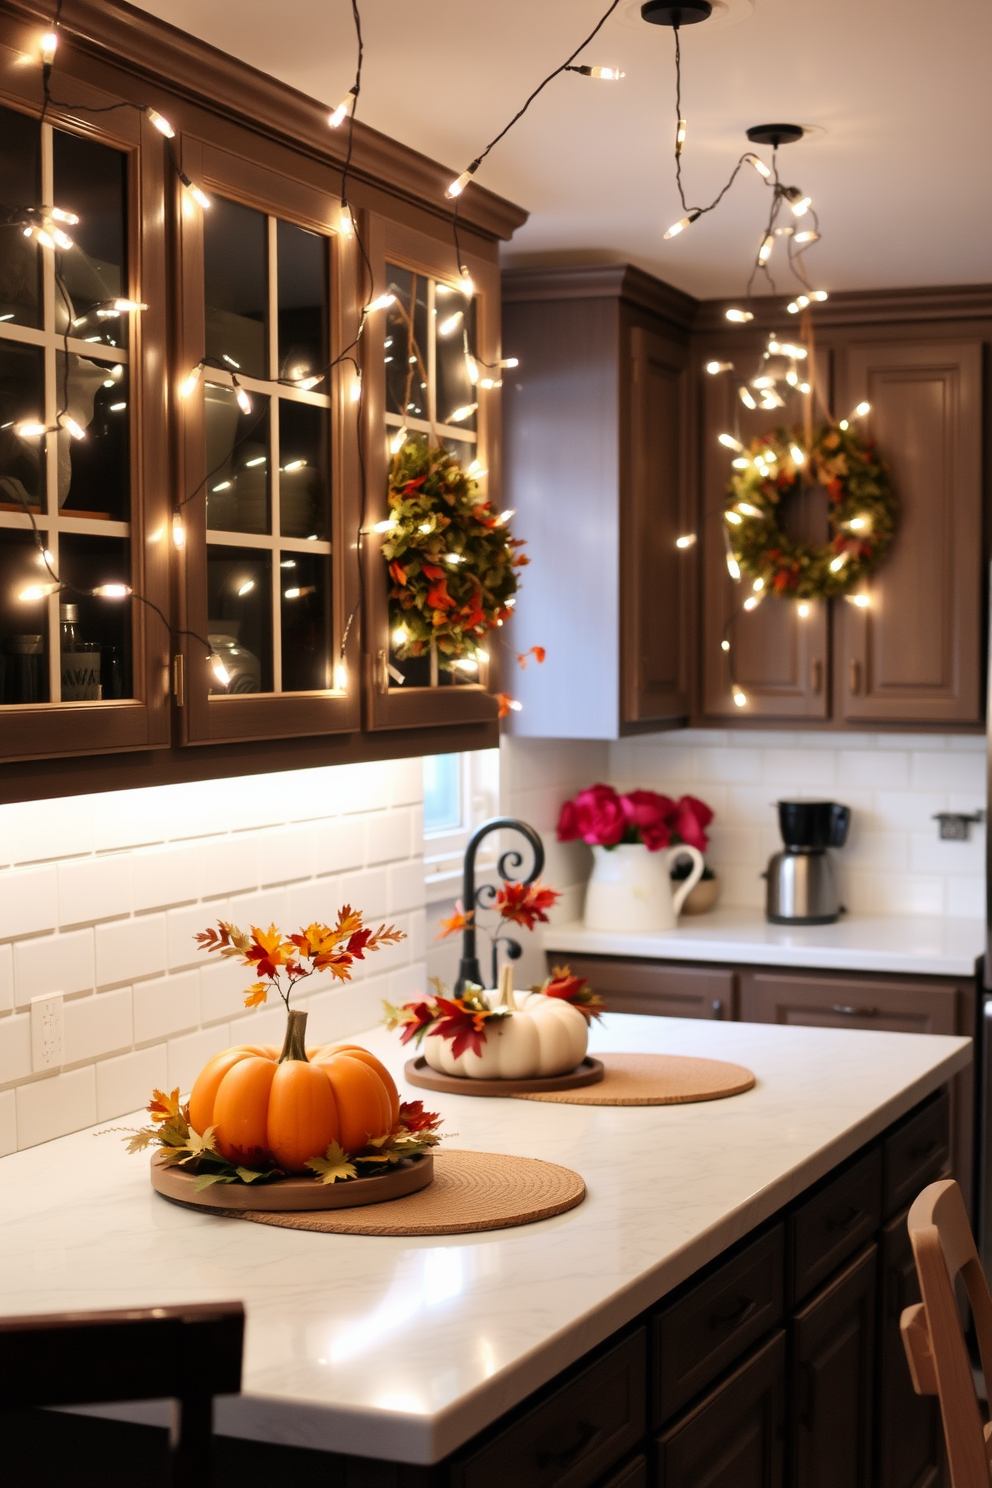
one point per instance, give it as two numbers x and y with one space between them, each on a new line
356 388
195 191
75 430
381 302
680 137
398 441
862 409
836 564
466 283
219 670
178 531
797 454
337 118
124 307
687 541
858 524
740 698
190 381
460 182
802 206
759 165
244 402
806 236
758 585
765 251
461 414
346 222
747 510
802 610
746 399
739 317
388 524
752 602
606 74
450 323
724 645
730 442
714 367
340 677
682 224
734 518
861 600
31 430
161 124
34 592
111 591
400 635
741 463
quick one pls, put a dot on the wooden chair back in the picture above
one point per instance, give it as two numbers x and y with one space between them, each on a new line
932 1335
187 1354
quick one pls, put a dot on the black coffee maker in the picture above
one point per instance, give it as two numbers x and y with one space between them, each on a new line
801 885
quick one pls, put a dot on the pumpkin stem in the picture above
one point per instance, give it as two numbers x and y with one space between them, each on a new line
506 997
296 1027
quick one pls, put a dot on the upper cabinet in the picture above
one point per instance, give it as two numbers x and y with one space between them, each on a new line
598 467
913 655
197 409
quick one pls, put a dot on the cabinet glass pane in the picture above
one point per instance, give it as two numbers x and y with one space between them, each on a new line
305 601
405 374
302 288
239 604
95 644
235 286
454 317
303 461
22 399
90 180
238 492
20 186
93 473
23 624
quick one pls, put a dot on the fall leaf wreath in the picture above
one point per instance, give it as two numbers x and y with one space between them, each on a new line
451 557
861 506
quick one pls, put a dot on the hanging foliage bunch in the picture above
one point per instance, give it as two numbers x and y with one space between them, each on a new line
861 509
451 557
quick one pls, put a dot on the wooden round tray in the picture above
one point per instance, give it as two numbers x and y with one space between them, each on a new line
418 1072
290 1194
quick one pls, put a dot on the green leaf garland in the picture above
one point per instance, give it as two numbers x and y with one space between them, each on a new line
862 511
451 558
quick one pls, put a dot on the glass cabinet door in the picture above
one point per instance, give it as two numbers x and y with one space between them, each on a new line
266 593
69 481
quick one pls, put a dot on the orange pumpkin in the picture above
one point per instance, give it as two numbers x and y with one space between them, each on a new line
290 1105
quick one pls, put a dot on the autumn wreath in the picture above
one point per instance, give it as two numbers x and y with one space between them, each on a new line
451 557
861 511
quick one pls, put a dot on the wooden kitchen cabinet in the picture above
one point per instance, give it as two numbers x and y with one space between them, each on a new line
630 986
908 1436
832 1355
597 465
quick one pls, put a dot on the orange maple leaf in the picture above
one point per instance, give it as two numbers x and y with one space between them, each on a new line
505 704
162 1107
458 922
257 993
349 920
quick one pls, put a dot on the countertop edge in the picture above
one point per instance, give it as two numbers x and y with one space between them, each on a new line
424 1442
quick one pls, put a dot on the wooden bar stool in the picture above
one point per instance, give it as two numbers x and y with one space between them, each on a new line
932 1335
188 1354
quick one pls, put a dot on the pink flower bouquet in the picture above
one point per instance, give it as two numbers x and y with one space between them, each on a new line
601 817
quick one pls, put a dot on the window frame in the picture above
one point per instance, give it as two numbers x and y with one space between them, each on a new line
389 242
53 729
211 718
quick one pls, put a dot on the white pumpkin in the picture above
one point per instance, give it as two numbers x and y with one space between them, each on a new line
541 1036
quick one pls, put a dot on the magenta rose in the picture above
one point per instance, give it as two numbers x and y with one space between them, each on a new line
690 818
568 823
651 817
599 816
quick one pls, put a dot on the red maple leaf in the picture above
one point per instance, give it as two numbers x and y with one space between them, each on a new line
431 570
525 904
464 1027
397 573
358 942
415 1118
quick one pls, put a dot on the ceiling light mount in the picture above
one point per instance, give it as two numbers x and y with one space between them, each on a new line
686 13
775 134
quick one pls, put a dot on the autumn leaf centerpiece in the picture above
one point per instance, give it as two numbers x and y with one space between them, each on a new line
258 1113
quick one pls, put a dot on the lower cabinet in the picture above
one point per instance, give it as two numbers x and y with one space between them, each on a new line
909 1444
735 1438
831 1369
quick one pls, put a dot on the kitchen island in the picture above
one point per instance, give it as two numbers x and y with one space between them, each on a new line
403 1350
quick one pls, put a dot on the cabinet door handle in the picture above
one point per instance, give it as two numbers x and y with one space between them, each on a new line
744 1308
816 676
845 1010
716 1008
846 1221
855 677
586 1435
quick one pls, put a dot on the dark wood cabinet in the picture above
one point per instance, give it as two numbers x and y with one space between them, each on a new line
832 1349
651 987
915 654
908 1437
735 1437
596 465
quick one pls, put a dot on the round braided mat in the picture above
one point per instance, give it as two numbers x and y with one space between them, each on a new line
471 1191
655 1080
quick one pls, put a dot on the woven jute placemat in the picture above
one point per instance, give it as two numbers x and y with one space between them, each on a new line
655 1080
471 1191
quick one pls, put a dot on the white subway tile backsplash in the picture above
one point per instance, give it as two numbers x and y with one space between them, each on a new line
163 876
28 901
405 886
907 894
882 769
934 772
227 866
263 1025
42 831
6 978
965 896
318 900
126 1083
166 1005
95 888
223 984
97 1025
284 854
54 963
15 1048
264 908
188 1055
126 949
55 1105
8 1122
387 836
800 769
339 844
182 925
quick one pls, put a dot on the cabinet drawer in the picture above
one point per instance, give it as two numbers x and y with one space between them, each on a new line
633 1475
577 1434
834 1223
704 1332
736 1435
916 1154
883 1003
654 987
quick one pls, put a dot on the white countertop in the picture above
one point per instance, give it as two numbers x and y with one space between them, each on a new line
405 1348
918 944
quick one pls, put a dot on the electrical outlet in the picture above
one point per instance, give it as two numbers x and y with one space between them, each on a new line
47 1032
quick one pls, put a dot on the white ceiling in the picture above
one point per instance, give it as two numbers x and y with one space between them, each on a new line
899 92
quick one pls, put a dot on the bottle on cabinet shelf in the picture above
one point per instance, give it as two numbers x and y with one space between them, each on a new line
80 660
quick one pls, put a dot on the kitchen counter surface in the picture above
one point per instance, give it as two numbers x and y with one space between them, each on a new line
917 944
405 1348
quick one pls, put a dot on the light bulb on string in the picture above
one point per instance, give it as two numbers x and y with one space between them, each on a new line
802 610
111 591
687 541
178 531
219 670
460 182
338 116
806 236
346 223
48 46
836 564
461 414
747 510
75 430
859 524
802 206
450 324
191 380
765 250
819 295
125 306
244 402
161 124
472 368
746 399
758 164
739 696
680 137
381 302
741 463
356 388
30 430
729 442
862 601
752 602
798 455
34 592
758 585
682 224
509 362
724 645
738 317
714 367
195 191
388 524
306 384
605 74
861 410
734 518
466 283
398 440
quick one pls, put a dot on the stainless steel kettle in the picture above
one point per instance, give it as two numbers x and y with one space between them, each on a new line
802 889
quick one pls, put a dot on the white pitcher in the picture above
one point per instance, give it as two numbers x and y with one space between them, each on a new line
631 889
